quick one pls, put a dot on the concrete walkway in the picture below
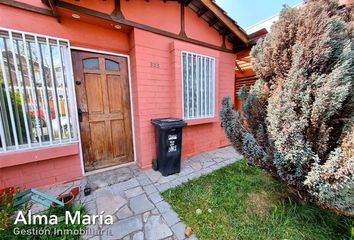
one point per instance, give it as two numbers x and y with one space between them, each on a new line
133 197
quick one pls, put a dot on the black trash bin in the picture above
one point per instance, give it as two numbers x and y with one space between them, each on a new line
168 138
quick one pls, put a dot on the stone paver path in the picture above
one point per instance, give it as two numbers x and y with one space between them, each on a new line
133 197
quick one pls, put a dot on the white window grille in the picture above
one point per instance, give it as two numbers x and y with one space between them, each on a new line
198 77
36 92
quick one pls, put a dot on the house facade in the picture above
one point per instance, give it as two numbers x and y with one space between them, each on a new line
81 80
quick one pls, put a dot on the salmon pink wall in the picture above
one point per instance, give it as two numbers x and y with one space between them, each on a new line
151 88
97 5
37 3
156 80
203 32
155 13
40 167
204 134
79 33
167 17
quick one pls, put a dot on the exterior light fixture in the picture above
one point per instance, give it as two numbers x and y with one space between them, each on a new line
117 26
77 16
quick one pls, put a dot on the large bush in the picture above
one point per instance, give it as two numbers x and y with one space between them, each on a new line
297 120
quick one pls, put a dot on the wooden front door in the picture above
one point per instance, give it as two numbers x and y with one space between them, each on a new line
102 92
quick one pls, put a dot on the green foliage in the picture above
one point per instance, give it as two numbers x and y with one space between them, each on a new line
301 113
247 132
333 181
18 114
242 93
232 123
247 203
275 58
251 150
6 207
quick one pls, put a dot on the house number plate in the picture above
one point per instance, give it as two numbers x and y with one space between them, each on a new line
154 65
172 143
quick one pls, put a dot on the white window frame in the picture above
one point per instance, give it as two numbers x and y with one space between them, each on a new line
213 82
70 93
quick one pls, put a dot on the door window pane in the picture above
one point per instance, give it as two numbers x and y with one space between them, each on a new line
111 65
91 63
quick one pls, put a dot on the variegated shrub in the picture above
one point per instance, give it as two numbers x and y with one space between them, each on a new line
297 120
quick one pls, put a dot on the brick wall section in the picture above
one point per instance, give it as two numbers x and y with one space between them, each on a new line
151 90
199 138
44 172
157 93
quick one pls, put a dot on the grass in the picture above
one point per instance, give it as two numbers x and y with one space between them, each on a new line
244 202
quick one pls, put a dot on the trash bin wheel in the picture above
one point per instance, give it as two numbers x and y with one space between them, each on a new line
154 165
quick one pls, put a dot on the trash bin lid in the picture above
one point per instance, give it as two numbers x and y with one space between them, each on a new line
168 123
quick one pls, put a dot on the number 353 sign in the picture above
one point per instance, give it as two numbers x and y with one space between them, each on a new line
172 147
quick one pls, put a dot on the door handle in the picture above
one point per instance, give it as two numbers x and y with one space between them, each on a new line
79 112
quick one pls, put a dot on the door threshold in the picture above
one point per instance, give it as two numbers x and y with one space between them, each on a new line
108 168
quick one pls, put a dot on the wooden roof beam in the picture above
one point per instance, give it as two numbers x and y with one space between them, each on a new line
202 11
238 67
54 10
213 22
117 9
245 59
243 54
187 2
224 31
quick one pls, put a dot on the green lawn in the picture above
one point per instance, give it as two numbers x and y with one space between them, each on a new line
243 202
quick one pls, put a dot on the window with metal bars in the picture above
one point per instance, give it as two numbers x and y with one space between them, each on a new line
198 77
36 92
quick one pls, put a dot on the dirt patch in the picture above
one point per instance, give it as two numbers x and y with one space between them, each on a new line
258 203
